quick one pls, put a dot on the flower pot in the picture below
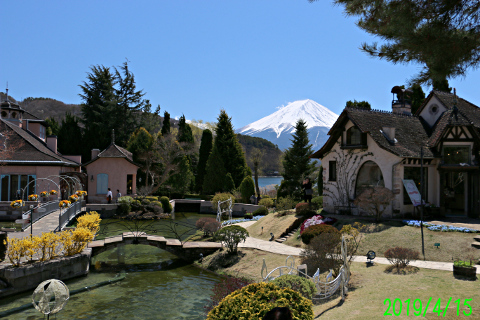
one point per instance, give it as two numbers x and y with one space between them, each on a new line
468 272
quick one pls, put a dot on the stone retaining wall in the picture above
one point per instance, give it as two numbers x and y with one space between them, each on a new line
238 210
28 276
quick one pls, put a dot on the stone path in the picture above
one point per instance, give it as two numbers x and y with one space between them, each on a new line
274 247
46 224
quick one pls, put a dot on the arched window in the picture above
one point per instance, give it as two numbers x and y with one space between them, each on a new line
102 183
14 115
4 114
369 176
355 137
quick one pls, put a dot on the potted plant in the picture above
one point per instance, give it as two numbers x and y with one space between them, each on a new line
465 268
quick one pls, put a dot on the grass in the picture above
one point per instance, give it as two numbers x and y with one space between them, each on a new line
271 223
453 245
372 286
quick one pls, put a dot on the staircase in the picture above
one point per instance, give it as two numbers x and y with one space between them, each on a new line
291 233
476 244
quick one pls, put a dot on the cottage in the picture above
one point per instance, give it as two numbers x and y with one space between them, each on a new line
369 148
112 168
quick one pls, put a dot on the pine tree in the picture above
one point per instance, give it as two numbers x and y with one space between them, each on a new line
417 96
204 152
247 188
358 104
180 181
69 135
53 126
320 181
98 108
297 164
229 148
149 120
215 173
166 123
130 104
140 142
441 35
229 184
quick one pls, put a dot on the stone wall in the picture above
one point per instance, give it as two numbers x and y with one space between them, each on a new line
28 276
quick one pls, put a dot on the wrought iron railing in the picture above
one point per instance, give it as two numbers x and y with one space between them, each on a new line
39 212
69 214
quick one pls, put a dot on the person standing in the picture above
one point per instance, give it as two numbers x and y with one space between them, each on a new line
118 195
109 196
307 190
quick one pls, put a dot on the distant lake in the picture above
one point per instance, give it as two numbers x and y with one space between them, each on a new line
266 181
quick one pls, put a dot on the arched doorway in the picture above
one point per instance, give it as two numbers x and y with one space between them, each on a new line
369 176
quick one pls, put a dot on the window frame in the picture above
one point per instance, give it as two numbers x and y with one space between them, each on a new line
332 170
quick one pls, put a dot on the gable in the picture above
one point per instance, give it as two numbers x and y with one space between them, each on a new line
432 110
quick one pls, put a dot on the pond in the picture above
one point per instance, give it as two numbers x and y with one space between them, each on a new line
157 285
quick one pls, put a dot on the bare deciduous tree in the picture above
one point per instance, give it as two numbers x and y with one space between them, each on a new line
375 200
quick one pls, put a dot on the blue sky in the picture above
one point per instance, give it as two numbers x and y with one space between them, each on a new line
197 57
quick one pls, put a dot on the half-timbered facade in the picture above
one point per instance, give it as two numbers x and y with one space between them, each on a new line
369 148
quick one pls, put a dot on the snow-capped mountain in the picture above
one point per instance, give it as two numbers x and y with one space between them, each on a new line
279 126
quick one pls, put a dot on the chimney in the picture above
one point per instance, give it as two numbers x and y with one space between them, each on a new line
390 133
95 153
52 143
403 104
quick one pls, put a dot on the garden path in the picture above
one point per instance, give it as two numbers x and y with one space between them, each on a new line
275 247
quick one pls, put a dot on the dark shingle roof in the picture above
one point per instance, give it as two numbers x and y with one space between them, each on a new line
114 151
32 150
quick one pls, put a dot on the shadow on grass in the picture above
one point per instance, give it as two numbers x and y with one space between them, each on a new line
224 260
463 278
401 271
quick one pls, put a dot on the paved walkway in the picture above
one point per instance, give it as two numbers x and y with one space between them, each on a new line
46 224
279 248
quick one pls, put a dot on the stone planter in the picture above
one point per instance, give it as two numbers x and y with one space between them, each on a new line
468 272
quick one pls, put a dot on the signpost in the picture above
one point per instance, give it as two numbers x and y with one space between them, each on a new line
413 193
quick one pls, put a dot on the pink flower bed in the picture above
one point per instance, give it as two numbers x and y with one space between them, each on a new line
318 219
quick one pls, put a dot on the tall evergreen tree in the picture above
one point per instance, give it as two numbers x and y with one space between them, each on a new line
130 104
358 104
69 135
230 149
297 164
184 131
417 96
53 126
140 143
150 120
166 123
215 173
441 35
98 109
180 181
206 145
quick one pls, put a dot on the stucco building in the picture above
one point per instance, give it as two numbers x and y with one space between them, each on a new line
112 168
369 148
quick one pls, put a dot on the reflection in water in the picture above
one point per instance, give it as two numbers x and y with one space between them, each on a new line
157 286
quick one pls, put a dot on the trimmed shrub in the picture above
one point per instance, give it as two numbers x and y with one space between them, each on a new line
156 203
255 300
223 289
266 202
247 188
248 215
297 283
301 206
208 225
231 236
309 233
136 205
167 207
219 197
401 257
317 202
285 203
323 252
124 205
262 211
145 202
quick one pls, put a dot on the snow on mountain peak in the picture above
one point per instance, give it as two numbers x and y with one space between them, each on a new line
285 118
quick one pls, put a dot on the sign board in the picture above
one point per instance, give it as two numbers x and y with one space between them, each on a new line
22 221
41 209
412 191
26 216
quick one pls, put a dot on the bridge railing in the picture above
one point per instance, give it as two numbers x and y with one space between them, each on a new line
39 212
67 215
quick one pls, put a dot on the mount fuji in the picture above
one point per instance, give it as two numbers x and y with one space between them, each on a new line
280 125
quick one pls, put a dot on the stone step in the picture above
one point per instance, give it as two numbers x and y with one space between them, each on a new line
476 238
280 240
476 245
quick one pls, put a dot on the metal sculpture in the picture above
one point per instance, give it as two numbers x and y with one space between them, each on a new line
50 296
228 210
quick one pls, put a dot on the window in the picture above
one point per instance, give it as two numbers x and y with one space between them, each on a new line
355 137
413 173
456 154
15 185
332 171
42 132
102 183
129 183
369 176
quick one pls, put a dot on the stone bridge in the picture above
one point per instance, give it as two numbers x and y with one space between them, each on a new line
188 251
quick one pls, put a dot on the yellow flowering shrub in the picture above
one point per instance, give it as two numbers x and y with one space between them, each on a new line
90 220
252 302
15 250
47 245
75 241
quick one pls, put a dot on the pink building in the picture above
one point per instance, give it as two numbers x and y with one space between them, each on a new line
112 168
26 155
